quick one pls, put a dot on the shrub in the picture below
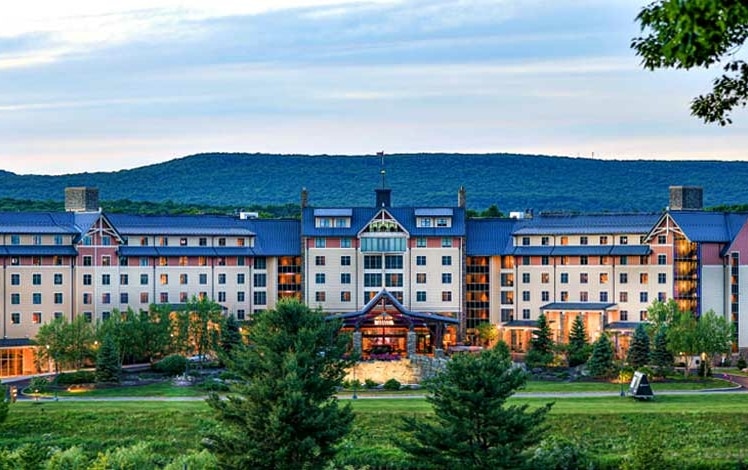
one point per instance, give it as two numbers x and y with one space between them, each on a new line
138 456
38 384
368 383
741 363
75 378
392 385
69 459
559 453
171 365
203 460
214 385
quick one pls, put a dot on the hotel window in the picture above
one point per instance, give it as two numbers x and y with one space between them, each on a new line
345 243
105 316
260 280
57 315
564 240
345 260
86 240
124 279
221 261
163 261
319 278
525 241
106 240
58 297
393 280
144 297
36 240
345 278
420 242
87 261
603 260
643 278
624 315
662 296
584 296
623 278
36 279
661 259
143 262
341 222
15 279
661 278
222 278
319 242
544 241
345 296
545 278
441 222
603 240
545 260
564 296
240 296
603 296
545 296
124 298
525 313
661 239
57 261
525 295
624 260
183 279
202 241
202 261
106 260
624 240
143 241
643 297
15 299
603 278
202 278
14 261
564 278
15 239
106 298
319 260
584 260
202 295
143 279
421 296
183 241
164 297
525 261
420 278
106 279
564 260
182 261
420 261
446 296
183 297
446 261
525 278
240 241
163 241
393 262
446 242
583 278
15 318
425 222
240 278
36 298
164 279
446 278
372 280
240 314
260 298
583 240
623 296
36 318
372 262
88 317
240 261
221 241
319 296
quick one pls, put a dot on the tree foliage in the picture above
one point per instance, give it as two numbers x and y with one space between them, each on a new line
578 350
488 333
688 34
473 427
284 413
66 344
601 363
108 367
662 358
638 353
540 353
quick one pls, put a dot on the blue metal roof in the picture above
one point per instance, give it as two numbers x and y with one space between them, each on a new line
38 250
523 250
276 237
563 224
179 225
702 226
398 306
333 212
630 250
581 250
487 237
361 216
37 223
622 325
577 306
520 324
434 212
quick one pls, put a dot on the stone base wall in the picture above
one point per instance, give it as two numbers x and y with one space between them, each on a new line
406 371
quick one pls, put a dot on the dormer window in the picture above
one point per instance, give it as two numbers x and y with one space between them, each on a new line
426 222
441 222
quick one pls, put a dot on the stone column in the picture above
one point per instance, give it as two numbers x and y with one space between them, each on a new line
411 343
357 338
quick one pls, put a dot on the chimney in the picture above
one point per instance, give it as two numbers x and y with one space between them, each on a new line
81 199
383 197
462 197
683 198
304 198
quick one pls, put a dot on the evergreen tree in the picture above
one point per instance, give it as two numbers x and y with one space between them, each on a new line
283 414
638 355
107 362
230 335
601 360
579 348
661 357
472 427
540 353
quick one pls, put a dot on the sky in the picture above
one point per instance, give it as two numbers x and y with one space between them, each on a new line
91 85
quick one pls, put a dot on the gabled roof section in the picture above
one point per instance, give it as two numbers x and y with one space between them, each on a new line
179 225
489 237
383 216
604 224
275 237
704 226
583 306
384 294
404 216
85 222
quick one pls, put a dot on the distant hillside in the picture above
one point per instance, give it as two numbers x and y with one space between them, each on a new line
512 182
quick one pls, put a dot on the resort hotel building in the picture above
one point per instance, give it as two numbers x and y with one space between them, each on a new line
417 279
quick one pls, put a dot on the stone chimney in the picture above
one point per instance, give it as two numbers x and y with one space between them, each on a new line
81 199
684 198
304 198
462 197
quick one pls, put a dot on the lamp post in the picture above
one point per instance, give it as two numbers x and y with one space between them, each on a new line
355 382
620 379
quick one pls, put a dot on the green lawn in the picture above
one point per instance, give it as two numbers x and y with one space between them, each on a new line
536 386
160 389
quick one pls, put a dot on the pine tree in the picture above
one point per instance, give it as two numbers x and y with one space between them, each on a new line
283 414
540 353
661 357
638 354
107 362
472 427
579 347
601 361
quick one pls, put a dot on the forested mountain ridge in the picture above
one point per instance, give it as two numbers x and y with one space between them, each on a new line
512 182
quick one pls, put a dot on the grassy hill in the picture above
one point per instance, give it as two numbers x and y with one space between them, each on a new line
512 182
